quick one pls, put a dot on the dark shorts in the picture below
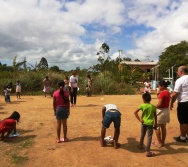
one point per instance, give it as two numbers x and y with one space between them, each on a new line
61 112
110 117
182 112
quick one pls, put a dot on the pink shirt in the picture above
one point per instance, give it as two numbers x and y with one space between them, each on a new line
59 99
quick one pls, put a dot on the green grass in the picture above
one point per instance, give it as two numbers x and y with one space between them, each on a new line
16 159
26 143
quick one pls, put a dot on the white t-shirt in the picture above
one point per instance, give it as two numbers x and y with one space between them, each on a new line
74 81
111 107
181 87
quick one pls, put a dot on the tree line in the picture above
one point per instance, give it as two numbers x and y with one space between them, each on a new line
109 77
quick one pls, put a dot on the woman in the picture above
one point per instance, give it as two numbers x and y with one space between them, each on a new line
163 114
73 86
61 107
47 86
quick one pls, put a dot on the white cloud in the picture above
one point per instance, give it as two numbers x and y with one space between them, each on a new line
170 27
69 33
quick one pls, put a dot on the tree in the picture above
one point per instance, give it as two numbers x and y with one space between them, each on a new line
173 55
131 75
4 67
127 59
17 66
43 64
137 60
54 68
104 49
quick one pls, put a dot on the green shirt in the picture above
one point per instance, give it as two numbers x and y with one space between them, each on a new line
147 113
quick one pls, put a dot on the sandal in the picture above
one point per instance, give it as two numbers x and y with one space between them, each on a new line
58 141
64 139
150 154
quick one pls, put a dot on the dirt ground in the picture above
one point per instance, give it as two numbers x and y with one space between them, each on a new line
36 146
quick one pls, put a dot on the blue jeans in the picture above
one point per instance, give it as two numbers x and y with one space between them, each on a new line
144 129
110 117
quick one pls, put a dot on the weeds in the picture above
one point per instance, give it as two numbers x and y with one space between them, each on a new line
16 159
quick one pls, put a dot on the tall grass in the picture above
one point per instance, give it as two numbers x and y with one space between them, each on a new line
103 83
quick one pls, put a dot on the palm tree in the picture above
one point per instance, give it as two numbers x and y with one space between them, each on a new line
16 66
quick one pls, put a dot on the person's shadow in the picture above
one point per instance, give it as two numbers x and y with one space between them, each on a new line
20 138
85 138
132 146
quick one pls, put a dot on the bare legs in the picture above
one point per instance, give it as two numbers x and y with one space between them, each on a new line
183 129
18 95
103 133
65 129
64 122
161 135
58 129
116 137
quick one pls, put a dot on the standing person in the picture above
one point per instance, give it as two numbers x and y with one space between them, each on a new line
88 91
89 83
18 89
163 114
66 80
47 86
181 94
73 86
9 86
110 113
6 93
147 120
61 106
147 87
9 124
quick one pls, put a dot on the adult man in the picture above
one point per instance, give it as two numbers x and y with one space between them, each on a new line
181 94
110 113
47 86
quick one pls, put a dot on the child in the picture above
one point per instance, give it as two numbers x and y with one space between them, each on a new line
163 114
147 121
61 105
9 124
66 80
18 89
147 85
9 86
6 93
110 113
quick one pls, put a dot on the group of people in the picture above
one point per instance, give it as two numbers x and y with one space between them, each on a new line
8 89
154 117
71 86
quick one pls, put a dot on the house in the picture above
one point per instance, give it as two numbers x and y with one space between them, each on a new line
145 66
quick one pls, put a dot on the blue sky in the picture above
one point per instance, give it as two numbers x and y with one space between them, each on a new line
69 33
